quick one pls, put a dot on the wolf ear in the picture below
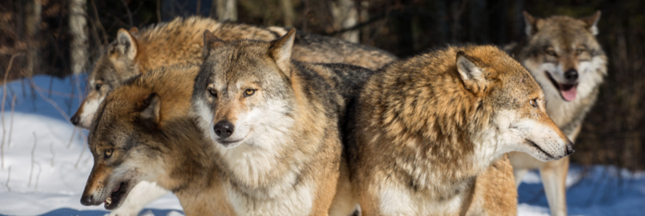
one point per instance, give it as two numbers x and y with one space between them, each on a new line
532 24
210 42
133 30
280 50
471 74
592 22
126 44
150 110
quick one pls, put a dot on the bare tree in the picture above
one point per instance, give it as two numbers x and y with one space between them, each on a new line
345 15
78 28
32 23
287 8
226 9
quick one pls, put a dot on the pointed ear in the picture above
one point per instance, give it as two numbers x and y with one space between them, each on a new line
280 50
592 22
149 115
532 24
210 42
126 44
471 74
134 30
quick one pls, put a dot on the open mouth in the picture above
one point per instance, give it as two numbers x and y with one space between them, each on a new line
538 147
568 92
114 200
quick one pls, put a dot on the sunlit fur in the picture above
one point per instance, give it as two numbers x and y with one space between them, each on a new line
167 149
564 35
428 128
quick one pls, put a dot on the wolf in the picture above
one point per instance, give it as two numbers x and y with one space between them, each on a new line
180 42
143 132
425 131
567 61
275 125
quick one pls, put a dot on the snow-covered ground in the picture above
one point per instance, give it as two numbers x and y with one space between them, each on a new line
46 163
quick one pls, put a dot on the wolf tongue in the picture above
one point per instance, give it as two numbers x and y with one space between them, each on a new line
568 92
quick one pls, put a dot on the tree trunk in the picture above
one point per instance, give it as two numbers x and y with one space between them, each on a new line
345 16
32 24
78 29
287 9
226 9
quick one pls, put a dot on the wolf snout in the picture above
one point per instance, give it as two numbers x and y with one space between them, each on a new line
224 129
88 200
569 149
571 75
75 119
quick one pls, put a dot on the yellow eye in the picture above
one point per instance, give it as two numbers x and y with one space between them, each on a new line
533 103
551 52
249 92
108 153
213 92
579 51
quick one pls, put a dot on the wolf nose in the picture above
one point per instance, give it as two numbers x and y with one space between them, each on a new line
570 149
87 200
75 119
571 75
224 129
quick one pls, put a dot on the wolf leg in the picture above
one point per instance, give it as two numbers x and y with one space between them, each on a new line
142 194
519 173
554 176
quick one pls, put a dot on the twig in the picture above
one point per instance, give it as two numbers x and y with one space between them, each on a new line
4 96
13 106
127 9
81 155
40 169
51 149
71 139
33 152
8 178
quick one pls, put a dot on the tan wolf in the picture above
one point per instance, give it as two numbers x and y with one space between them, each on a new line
275 125
142 132
427 129
179 42
564 57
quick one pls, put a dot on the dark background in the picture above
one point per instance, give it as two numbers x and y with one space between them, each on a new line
612 133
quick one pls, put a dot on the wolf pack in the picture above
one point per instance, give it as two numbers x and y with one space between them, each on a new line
237 119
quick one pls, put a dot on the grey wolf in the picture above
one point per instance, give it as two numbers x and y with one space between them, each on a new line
180 42
274 123
565 58
142 132
426 130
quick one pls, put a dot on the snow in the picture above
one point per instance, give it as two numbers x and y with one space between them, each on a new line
50 180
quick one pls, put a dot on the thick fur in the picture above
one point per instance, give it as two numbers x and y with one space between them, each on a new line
142 132
426 130
284 156
554 46
180 42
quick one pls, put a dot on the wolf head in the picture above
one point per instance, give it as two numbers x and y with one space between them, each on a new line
514 103
563 55
111 69
243 90
138 131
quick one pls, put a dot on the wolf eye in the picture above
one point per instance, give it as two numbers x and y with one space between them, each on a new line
580 51
249 92
98 86
212 92
551 53
108 153
533 103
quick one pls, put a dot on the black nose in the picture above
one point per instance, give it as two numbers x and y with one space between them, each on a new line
87 200
224 129
75 119
571 75
570 149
